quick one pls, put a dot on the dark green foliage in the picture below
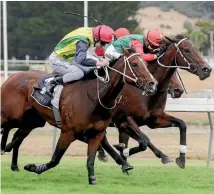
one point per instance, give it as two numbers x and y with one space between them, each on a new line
34 28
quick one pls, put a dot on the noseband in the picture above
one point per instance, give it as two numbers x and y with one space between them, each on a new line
107 78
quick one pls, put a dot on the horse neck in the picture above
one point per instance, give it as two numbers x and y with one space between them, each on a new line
108 92
163 74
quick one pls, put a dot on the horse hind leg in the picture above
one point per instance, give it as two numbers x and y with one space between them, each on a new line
18 138
63 143
102 155
131 128
5 133
124 138
26 127
164 158
117 158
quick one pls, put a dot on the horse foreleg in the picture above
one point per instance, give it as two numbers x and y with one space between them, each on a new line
110 150
165 121
63 143
93 145
117 158
123 138
102 155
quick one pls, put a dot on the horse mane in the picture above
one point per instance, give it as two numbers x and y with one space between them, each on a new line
101 72
180 36
177 37
91 75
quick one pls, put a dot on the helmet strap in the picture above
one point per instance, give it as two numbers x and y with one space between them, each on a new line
99 32
95 42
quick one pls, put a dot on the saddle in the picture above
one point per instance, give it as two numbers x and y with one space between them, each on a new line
39 92
51 102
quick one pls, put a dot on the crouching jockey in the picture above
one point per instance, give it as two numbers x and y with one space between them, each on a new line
145 45
120 32
69 58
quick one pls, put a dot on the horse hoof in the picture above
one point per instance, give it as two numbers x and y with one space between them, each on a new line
15 168
103 158
180 162
126 167
30 167
92 180
8 148
166 160
120 147
2 152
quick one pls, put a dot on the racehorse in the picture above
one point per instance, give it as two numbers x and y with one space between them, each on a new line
82 112
175 89
137 110
174 54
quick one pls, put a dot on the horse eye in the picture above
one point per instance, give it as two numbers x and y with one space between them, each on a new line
186 50
134 64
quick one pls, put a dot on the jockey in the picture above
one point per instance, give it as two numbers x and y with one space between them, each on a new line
145 45
69 58
118 33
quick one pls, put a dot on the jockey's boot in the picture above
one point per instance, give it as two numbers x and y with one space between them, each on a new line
51 84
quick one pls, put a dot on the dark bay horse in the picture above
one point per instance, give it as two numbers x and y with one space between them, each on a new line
175 89
81 110
137 110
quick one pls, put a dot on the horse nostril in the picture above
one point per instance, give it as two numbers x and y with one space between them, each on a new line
152 85
177 91
206 70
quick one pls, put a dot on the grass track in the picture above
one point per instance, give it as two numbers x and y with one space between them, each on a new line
70 176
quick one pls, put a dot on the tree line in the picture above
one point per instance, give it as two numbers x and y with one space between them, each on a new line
34 28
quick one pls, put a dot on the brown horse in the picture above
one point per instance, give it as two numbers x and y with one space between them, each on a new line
206 71
137 110
175 89
82 113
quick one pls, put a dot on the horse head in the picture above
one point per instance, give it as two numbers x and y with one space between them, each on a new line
188 57
135 71
175 88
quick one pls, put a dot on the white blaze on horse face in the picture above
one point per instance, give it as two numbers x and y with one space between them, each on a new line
151 76
142 61
146 64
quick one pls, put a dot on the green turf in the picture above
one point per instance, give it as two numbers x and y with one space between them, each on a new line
70 176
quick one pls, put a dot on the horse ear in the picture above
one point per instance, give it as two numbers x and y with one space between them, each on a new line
170 39
133 48
125 51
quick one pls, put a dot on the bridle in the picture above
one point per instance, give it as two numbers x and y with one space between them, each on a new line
182 56
126 63
106 79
